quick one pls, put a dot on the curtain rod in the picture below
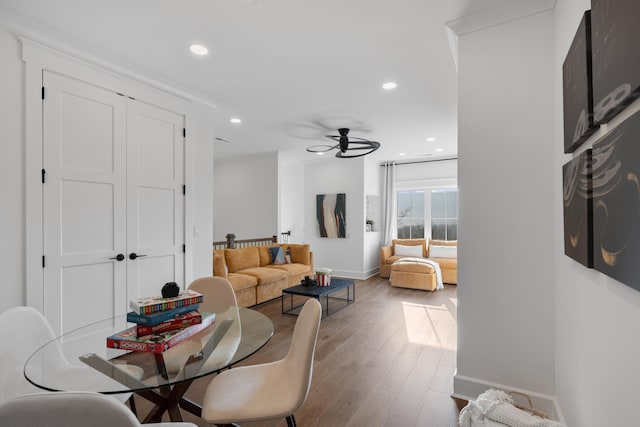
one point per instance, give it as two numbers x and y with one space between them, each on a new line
423 161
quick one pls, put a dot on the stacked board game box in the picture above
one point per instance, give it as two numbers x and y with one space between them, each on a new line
161 323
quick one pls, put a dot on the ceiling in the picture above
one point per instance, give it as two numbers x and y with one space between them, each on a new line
292 70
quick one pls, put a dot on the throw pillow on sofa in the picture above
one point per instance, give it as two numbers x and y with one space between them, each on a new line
408 250
277 256
443 251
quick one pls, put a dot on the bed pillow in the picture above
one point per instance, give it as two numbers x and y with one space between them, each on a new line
277 255
408 250
443 251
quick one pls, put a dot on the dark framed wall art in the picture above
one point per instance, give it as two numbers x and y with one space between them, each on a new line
616 203
331 215
577 89
615 37
578 209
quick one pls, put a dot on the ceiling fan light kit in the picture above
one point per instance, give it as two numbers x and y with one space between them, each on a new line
347 147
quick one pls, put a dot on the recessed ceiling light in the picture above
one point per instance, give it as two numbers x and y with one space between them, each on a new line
402 154
439 149
389 85
320 153
430 139
198 49
235 120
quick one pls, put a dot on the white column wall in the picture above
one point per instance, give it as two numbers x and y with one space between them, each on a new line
12 183
291 196
506 223
597 318
202 179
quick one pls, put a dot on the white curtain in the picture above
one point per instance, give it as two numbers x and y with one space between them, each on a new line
388 202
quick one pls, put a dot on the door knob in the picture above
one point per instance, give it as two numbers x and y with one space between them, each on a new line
119 257
134 255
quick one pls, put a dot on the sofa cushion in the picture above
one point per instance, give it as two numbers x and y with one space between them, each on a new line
266 274
241 259
300 253
293 269
242 281
265 255
408 250
443 251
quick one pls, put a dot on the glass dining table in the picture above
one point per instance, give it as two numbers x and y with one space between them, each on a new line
81 361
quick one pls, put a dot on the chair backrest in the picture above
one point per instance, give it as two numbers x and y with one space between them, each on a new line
302 349
217 291
218 295
24 330
66 409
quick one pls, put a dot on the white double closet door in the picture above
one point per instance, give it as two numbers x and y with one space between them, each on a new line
113 201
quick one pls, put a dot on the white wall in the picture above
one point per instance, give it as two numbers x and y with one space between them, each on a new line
246 196
12 184
506 316
329 176
597 318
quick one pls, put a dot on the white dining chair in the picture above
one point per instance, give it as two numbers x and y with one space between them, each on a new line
70 409
25 330
270 390
219 298
217 292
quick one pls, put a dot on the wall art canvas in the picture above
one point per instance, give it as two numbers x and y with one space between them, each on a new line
577 89
615 37
578 209
331 215
616 203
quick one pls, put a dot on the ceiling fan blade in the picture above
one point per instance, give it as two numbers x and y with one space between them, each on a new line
321 148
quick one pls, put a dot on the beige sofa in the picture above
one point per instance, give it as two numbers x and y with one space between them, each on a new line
254 278
448 266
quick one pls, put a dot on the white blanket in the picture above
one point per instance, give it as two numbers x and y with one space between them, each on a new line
494 408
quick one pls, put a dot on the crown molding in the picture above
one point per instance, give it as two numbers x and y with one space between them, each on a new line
499 15
29 32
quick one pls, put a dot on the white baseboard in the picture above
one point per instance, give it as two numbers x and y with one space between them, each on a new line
359 275
468 388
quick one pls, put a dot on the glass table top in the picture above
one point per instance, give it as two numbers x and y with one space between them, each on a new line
81 361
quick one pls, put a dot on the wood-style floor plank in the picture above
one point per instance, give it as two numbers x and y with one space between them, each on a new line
386 360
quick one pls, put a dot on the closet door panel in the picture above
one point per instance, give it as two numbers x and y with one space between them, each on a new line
155 201
84 203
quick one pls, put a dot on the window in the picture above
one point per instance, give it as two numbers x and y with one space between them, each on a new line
411 214
416 209
444 214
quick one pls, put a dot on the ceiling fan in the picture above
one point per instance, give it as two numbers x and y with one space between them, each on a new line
348 147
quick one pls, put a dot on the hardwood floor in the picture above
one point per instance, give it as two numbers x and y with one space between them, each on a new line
386 360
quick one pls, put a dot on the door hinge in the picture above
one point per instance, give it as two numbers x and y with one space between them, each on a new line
42 92
43 261
184 249
184 132
43 173
184 189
